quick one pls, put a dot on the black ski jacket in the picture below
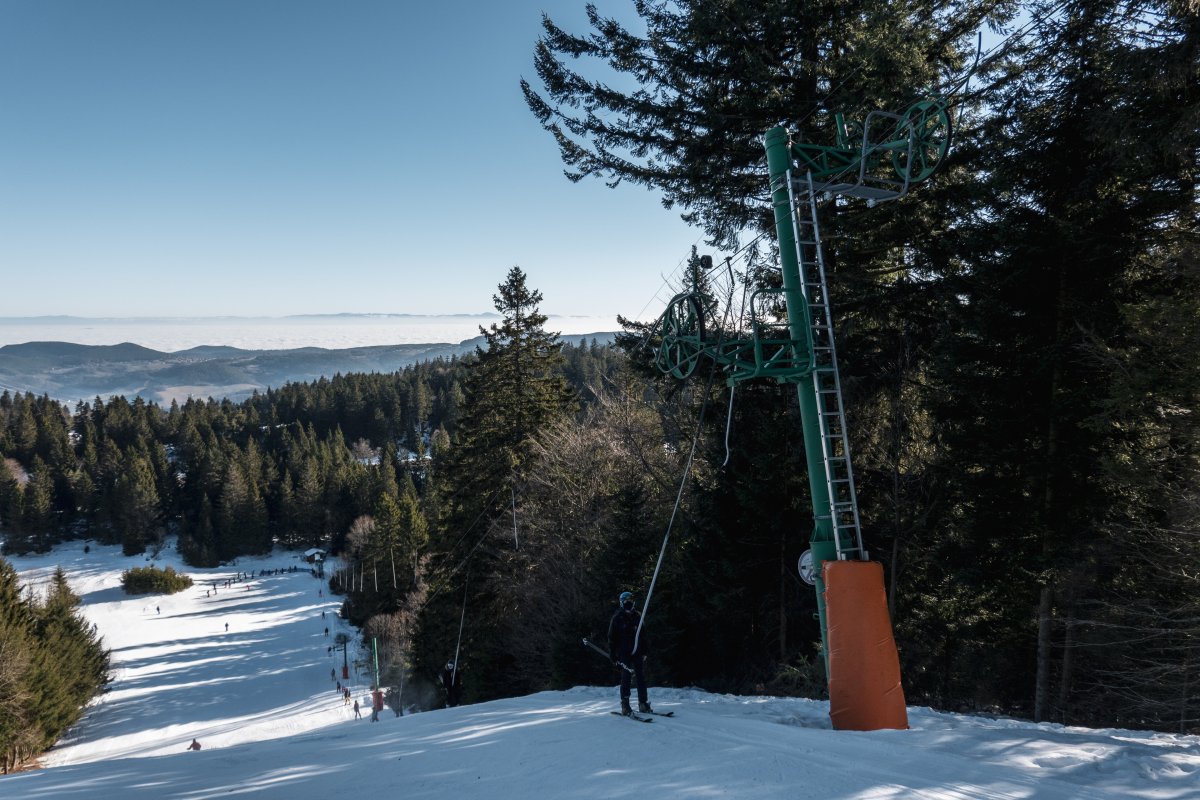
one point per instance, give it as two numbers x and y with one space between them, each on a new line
452 683
622 629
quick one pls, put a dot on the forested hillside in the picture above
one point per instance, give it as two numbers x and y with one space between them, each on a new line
294 466
1020 356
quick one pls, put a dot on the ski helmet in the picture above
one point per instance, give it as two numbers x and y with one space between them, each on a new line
625 596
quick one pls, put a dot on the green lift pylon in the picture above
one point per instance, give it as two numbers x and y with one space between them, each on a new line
836 532
912 147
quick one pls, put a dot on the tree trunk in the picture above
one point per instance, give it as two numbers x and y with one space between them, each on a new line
1183 694
1042 682
1041 693
891 589
783 568
1068 662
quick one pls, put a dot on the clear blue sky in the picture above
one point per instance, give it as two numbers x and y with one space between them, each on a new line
272 157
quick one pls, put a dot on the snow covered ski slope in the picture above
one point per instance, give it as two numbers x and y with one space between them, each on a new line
261 701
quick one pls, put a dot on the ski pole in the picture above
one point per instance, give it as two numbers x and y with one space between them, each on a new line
604 653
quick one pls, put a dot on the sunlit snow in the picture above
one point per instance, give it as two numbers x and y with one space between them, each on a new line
262 703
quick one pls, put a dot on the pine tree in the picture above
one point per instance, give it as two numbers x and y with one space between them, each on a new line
11 506
286 523
51 664
712 78
241 522
79 663
38 506
309 516
513 390
138 507
16 645
25 430
413 532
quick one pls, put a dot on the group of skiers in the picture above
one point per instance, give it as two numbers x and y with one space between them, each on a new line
626 648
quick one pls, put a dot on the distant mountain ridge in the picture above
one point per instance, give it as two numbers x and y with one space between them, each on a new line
337 315
71 372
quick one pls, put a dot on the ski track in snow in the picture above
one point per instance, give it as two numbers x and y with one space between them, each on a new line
261 701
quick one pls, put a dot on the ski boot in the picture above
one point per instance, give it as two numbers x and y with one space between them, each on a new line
625 709
645 708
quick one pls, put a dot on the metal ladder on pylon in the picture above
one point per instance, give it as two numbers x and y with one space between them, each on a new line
826 381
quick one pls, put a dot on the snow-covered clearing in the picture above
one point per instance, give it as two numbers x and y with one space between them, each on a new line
261 701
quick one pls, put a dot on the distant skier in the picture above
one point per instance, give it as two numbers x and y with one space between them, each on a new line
357 711
376 705
622 630
452 683
195 745
327 632
157 610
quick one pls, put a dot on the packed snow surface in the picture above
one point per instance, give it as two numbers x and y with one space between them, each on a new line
262 703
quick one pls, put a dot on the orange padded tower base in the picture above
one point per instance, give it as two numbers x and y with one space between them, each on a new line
864 669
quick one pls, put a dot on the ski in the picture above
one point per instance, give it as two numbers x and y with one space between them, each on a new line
637 717
659 713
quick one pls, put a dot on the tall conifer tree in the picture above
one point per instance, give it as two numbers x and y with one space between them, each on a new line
513 390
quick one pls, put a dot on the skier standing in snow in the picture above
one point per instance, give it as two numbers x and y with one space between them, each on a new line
622 631
452 682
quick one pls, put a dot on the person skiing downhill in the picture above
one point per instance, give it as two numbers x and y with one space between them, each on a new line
622 631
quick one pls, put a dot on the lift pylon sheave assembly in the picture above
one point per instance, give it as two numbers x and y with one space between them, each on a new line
686 338
880 158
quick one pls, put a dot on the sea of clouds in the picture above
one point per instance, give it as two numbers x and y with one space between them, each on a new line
336 332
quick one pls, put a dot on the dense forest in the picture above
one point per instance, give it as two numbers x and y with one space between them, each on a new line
1020 355
294 466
